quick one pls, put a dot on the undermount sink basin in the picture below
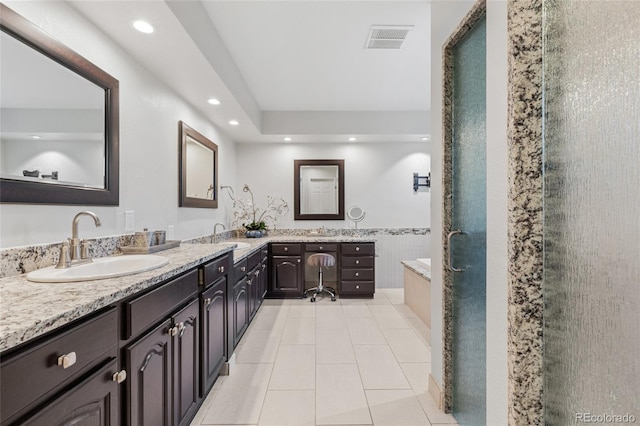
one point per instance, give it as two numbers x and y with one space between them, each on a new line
104 267
238 246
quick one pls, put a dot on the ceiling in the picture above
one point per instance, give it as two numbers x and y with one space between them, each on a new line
292 68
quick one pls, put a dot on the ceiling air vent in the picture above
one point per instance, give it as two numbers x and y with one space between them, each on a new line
387 36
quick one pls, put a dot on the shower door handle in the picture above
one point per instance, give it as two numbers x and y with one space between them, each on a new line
449 261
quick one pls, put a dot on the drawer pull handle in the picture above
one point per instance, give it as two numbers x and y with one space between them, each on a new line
207 301
120 376
67 360
357 262
264 266
172 331
357 287
243 269
286 249
357 274
357 248
257 273
221 269
321 248
249 282
181 329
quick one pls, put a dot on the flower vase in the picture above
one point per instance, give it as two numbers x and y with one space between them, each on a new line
254 233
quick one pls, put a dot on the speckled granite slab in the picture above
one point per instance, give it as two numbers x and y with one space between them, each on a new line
29 309
416 267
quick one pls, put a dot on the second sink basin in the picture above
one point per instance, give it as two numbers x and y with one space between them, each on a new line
238 246
101 268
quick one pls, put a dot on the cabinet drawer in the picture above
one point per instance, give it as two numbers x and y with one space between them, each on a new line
357 261
356 274
285 249
216 269
34 373
145 310
322 247
358 248
240 269
357 287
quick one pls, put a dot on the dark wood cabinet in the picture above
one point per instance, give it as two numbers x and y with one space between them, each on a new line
240 310
213 312
163 368
40 371
286 276
93 402
357 269
186 364
149 362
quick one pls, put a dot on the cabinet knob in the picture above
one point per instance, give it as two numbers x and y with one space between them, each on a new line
67 360
257 273
207 301
357 274
357 248
264 266
249 282
221 269
243 268
119 376
357 287
357 262
181 329
172 331
286 249
298 260
321 248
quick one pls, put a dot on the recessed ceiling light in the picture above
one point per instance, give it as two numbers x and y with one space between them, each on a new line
214 101
352 139
288 139
234 122
35 136
143 26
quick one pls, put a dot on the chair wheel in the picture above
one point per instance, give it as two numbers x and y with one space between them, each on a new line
304 295
313 299
333 299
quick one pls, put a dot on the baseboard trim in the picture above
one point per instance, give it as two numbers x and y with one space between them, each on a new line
435 392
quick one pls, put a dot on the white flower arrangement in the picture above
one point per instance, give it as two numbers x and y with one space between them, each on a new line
251 217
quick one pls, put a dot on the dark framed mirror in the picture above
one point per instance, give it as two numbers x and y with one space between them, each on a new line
59 121
318 189
198 163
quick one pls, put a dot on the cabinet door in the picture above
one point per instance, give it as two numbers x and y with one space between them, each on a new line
186 364
286 278
149 362
92 403
240 310
214 336
252 290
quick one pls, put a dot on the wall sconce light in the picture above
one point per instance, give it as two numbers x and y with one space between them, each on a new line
426 181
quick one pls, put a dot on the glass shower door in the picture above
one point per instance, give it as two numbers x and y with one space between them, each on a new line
467 256
591 212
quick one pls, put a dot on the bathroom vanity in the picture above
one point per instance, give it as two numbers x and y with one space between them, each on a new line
149 346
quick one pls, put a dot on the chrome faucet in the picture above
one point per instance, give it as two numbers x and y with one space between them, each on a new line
79 249
215 231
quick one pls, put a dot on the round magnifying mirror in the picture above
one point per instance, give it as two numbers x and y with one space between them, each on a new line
355 214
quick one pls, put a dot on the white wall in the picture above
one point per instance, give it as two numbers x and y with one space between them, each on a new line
442 15
378 177
497 79
149 115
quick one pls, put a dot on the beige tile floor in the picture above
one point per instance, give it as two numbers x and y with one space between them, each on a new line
350 362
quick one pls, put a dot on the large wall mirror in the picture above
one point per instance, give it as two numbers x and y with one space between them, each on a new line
318 189
59 121
198 169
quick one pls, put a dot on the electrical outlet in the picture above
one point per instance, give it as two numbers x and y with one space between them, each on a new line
129 220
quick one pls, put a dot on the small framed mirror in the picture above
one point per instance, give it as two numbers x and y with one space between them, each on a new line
318 189
198 177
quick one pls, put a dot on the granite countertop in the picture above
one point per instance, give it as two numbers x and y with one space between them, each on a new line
418 268
29 309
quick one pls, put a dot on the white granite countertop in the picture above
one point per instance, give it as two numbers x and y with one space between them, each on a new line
29 309
418 268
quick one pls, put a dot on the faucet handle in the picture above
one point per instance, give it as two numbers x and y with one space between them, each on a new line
64 261
84 249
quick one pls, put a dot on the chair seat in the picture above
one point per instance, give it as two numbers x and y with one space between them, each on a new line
324 260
